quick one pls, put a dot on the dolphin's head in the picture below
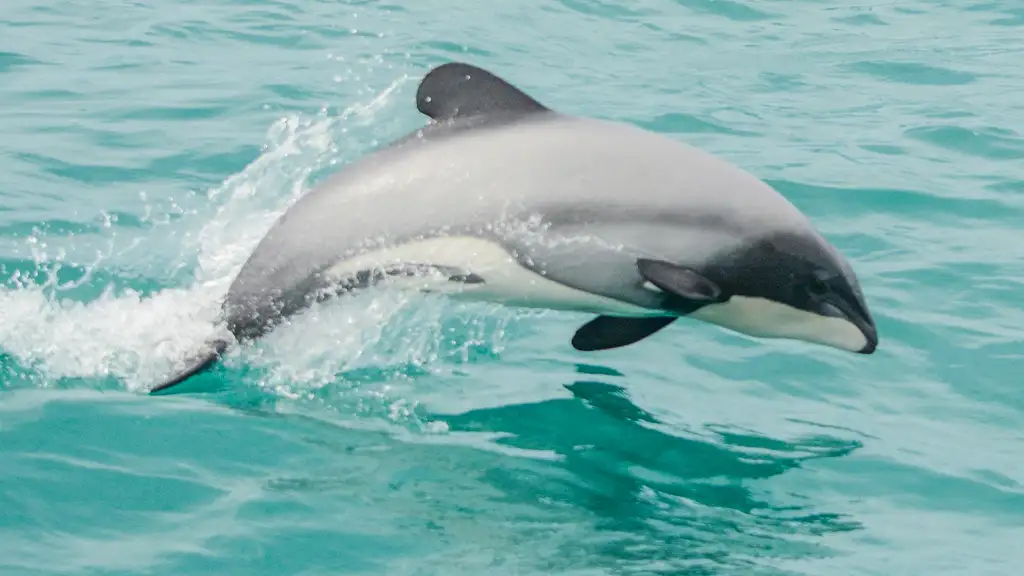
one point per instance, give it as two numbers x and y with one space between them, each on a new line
791 285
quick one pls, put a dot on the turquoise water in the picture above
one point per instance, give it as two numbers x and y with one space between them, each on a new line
147 146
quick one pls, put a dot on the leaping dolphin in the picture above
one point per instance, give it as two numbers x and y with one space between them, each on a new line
500 198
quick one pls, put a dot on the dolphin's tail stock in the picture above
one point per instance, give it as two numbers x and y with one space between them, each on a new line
199 362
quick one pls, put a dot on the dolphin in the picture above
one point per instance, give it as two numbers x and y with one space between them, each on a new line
500 198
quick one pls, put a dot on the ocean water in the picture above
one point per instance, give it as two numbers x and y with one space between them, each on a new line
145 147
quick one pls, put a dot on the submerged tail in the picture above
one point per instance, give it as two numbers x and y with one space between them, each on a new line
199 362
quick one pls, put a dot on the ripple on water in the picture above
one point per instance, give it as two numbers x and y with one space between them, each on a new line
1015 17
603 9
914 73
12 60
678 123
461 50
736 11
670 501
916 204
987 142
861 20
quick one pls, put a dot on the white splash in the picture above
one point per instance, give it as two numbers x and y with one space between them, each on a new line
136 338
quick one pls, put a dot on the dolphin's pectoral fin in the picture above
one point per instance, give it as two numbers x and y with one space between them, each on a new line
200 362
605 332
687 284
459 90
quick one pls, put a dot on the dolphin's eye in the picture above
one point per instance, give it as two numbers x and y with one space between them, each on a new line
817 286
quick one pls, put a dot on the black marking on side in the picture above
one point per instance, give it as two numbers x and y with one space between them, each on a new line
367 278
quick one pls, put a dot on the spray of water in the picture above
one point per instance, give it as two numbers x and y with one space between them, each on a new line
129 339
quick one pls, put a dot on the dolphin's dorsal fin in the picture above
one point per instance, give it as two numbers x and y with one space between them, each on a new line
456 89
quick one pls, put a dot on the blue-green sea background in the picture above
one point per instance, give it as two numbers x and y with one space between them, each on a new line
145 147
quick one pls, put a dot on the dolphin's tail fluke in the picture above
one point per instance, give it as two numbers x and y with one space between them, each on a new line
199 362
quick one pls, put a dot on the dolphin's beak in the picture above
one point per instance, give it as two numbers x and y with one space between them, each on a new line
857 314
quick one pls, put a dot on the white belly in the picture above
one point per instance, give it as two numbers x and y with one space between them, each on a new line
505 280
766 319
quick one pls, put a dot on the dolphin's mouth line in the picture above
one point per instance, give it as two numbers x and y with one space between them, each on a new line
841 309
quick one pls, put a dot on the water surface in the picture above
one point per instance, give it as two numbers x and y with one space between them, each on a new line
147 147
